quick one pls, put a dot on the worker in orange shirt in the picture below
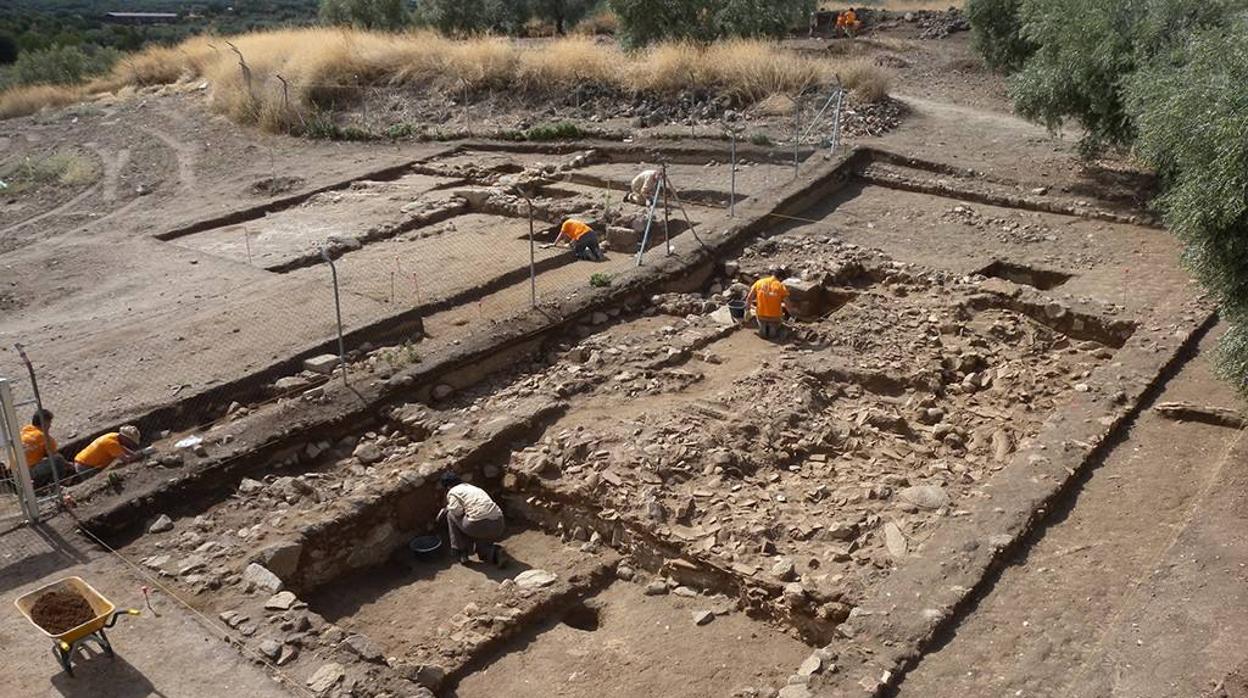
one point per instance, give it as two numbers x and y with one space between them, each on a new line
848 23
769 297
44 462
121 446
581 238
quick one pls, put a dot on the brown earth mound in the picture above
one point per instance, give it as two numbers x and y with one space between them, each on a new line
58 611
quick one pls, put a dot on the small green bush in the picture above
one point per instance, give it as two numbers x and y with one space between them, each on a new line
760 139
600 280
559 131
62 65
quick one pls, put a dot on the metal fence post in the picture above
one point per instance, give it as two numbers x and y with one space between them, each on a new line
532 254
17 454
797 131
532 259
732 189
57 475
342 345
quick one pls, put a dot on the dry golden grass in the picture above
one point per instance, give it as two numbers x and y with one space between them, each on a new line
286 75
866 81
21 101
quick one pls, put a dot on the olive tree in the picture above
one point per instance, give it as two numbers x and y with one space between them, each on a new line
1190 110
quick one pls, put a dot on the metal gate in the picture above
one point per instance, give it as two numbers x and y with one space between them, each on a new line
18 503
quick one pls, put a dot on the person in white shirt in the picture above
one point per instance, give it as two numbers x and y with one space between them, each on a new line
644 186
473 520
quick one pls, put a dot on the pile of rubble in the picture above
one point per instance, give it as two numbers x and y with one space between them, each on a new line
1004 229
872 119
938 25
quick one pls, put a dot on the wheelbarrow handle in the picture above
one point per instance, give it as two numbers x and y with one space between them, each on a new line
127 612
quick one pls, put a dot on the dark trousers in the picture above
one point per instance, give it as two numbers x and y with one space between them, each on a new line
467 535
770 329
587 247
48 470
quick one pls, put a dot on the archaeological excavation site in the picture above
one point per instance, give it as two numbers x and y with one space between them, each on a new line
983 458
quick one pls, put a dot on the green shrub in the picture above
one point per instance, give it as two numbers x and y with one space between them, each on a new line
1189 109
997 33
1086 50
365 14
600 280
754 18
62 65
646 21
562 13
760 139
559 131
453 16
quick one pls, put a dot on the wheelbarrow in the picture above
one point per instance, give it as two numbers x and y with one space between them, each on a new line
64 644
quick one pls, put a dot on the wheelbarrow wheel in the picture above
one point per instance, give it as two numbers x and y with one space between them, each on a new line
62 658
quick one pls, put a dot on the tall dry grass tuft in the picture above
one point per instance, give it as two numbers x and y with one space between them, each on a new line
866 81
22 101
321 68
569 62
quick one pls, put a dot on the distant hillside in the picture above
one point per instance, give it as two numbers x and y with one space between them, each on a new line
39 24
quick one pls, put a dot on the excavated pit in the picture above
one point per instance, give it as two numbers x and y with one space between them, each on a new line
1043 279
662 462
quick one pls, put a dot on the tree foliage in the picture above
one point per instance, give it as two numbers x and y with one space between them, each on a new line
1191 114
997 33
365 14
1166 78
562 13
8 49
1086 48
647 21
453 16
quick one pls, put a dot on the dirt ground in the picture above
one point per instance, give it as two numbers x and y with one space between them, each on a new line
643 645
1096 607
695 510
163 653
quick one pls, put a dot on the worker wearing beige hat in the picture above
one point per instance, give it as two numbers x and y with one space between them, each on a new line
117 446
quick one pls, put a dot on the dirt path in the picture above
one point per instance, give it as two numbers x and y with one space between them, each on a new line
1054 622
169 654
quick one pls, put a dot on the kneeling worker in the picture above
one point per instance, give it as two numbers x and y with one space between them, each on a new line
44 462
770 296
581 238
120 446
473 521
644 186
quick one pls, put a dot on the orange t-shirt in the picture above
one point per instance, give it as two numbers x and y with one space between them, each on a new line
33 440
574 229
101 452
769 294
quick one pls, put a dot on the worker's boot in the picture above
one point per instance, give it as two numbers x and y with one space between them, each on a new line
460 555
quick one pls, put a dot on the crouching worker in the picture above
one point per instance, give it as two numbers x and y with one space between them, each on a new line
121 446
769 296
46 465
473 521
644 186
581 238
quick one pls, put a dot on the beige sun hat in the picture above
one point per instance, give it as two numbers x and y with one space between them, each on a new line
130 433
